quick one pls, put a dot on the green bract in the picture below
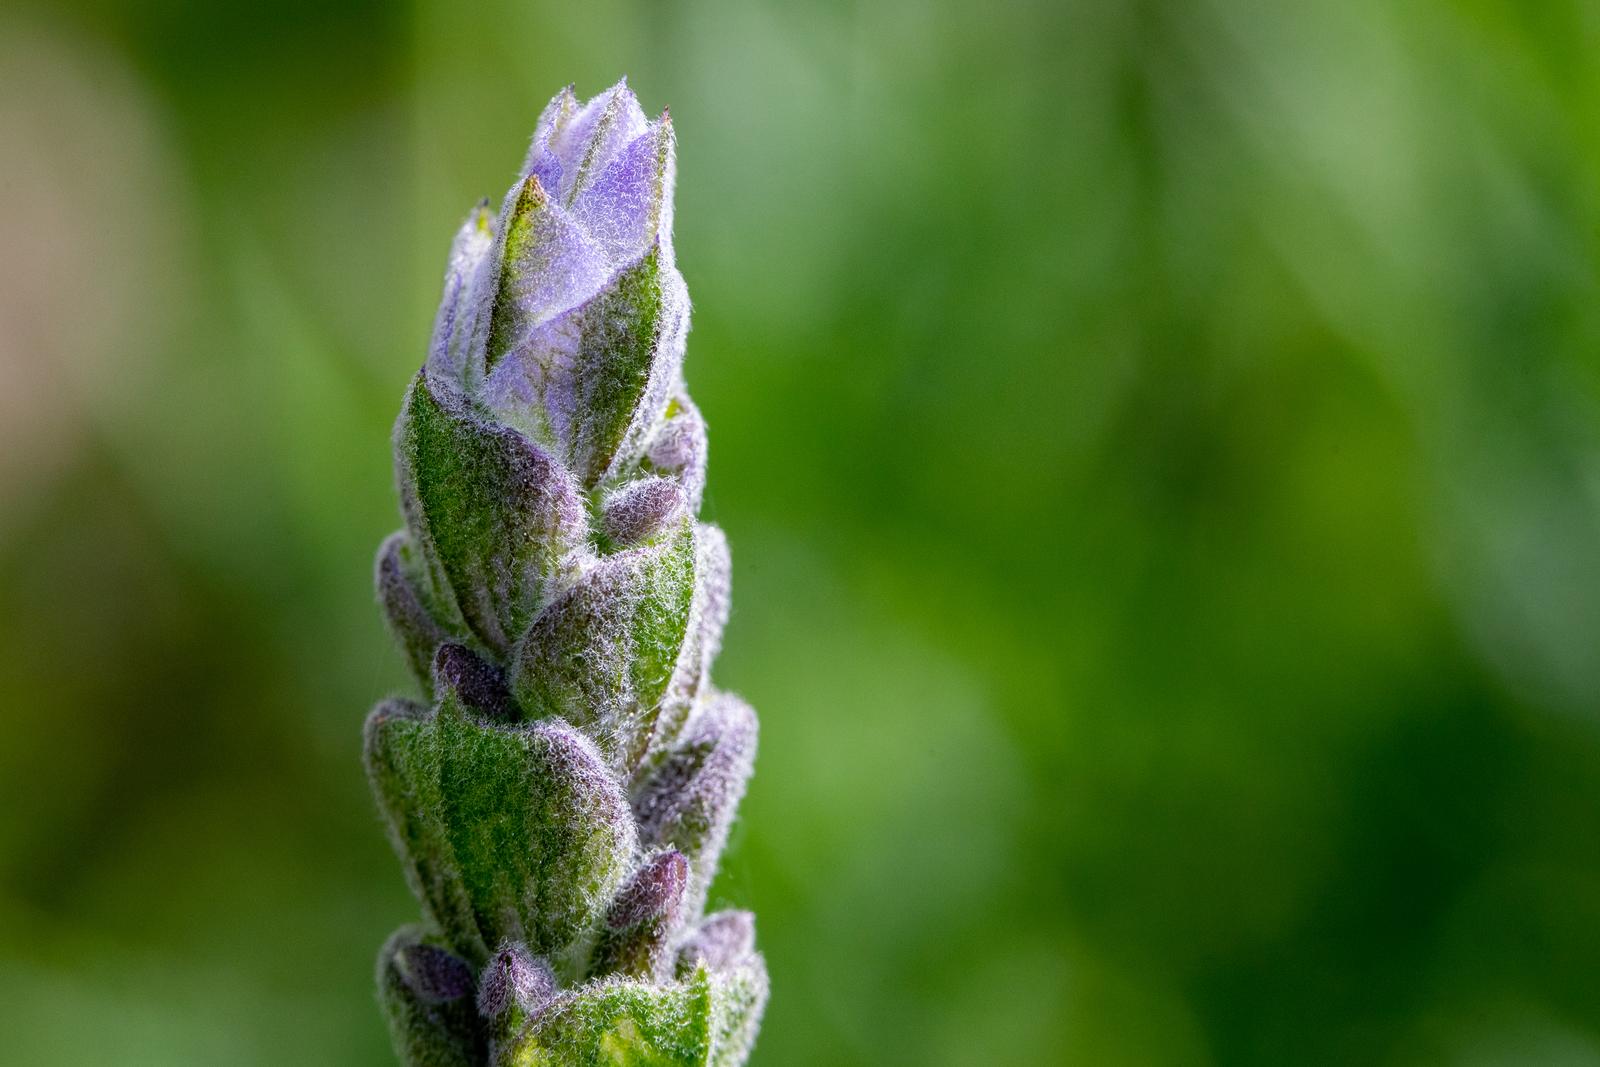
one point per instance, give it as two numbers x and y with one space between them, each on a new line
561 801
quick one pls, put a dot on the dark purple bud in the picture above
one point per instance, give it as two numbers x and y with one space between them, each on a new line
514 977
654 892
642 509
723 940
433 974
427 994
689 801
479 683
643 920
415 627
679 449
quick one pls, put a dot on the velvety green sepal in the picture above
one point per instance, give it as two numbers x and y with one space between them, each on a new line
432 1023
708 614
539 828
738 997
602 657
501 521
402 756
629 356
621 1023
508 833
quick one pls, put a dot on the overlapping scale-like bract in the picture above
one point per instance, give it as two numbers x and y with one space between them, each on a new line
560 802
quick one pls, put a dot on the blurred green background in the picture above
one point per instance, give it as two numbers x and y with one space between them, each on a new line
1160 444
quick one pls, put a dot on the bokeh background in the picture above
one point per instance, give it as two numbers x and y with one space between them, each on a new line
1160 444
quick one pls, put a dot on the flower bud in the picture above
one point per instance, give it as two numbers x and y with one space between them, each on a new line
500 521
560 801
427 1025
689 801
641 510
534 838
604 654
643 919
400 592
477 683
514 978
433 974
722 940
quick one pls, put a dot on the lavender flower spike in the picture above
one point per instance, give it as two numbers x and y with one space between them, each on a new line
560 800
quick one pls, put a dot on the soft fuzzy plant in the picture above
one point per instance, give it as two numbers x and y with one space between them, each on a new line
560 800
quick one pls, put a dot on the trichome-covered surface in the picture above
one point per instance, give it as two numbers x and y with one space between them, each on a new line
561 797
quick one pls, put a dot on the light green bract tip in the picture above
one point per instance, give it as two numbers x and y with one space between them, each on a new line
560 801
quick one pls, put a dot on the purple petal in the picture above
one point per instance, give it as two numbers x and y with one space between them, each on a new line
453 326
629 203
550 265
586 143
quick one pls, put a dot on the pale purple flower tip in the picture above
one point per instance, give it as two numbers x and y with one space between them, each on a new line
565 315
722 940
